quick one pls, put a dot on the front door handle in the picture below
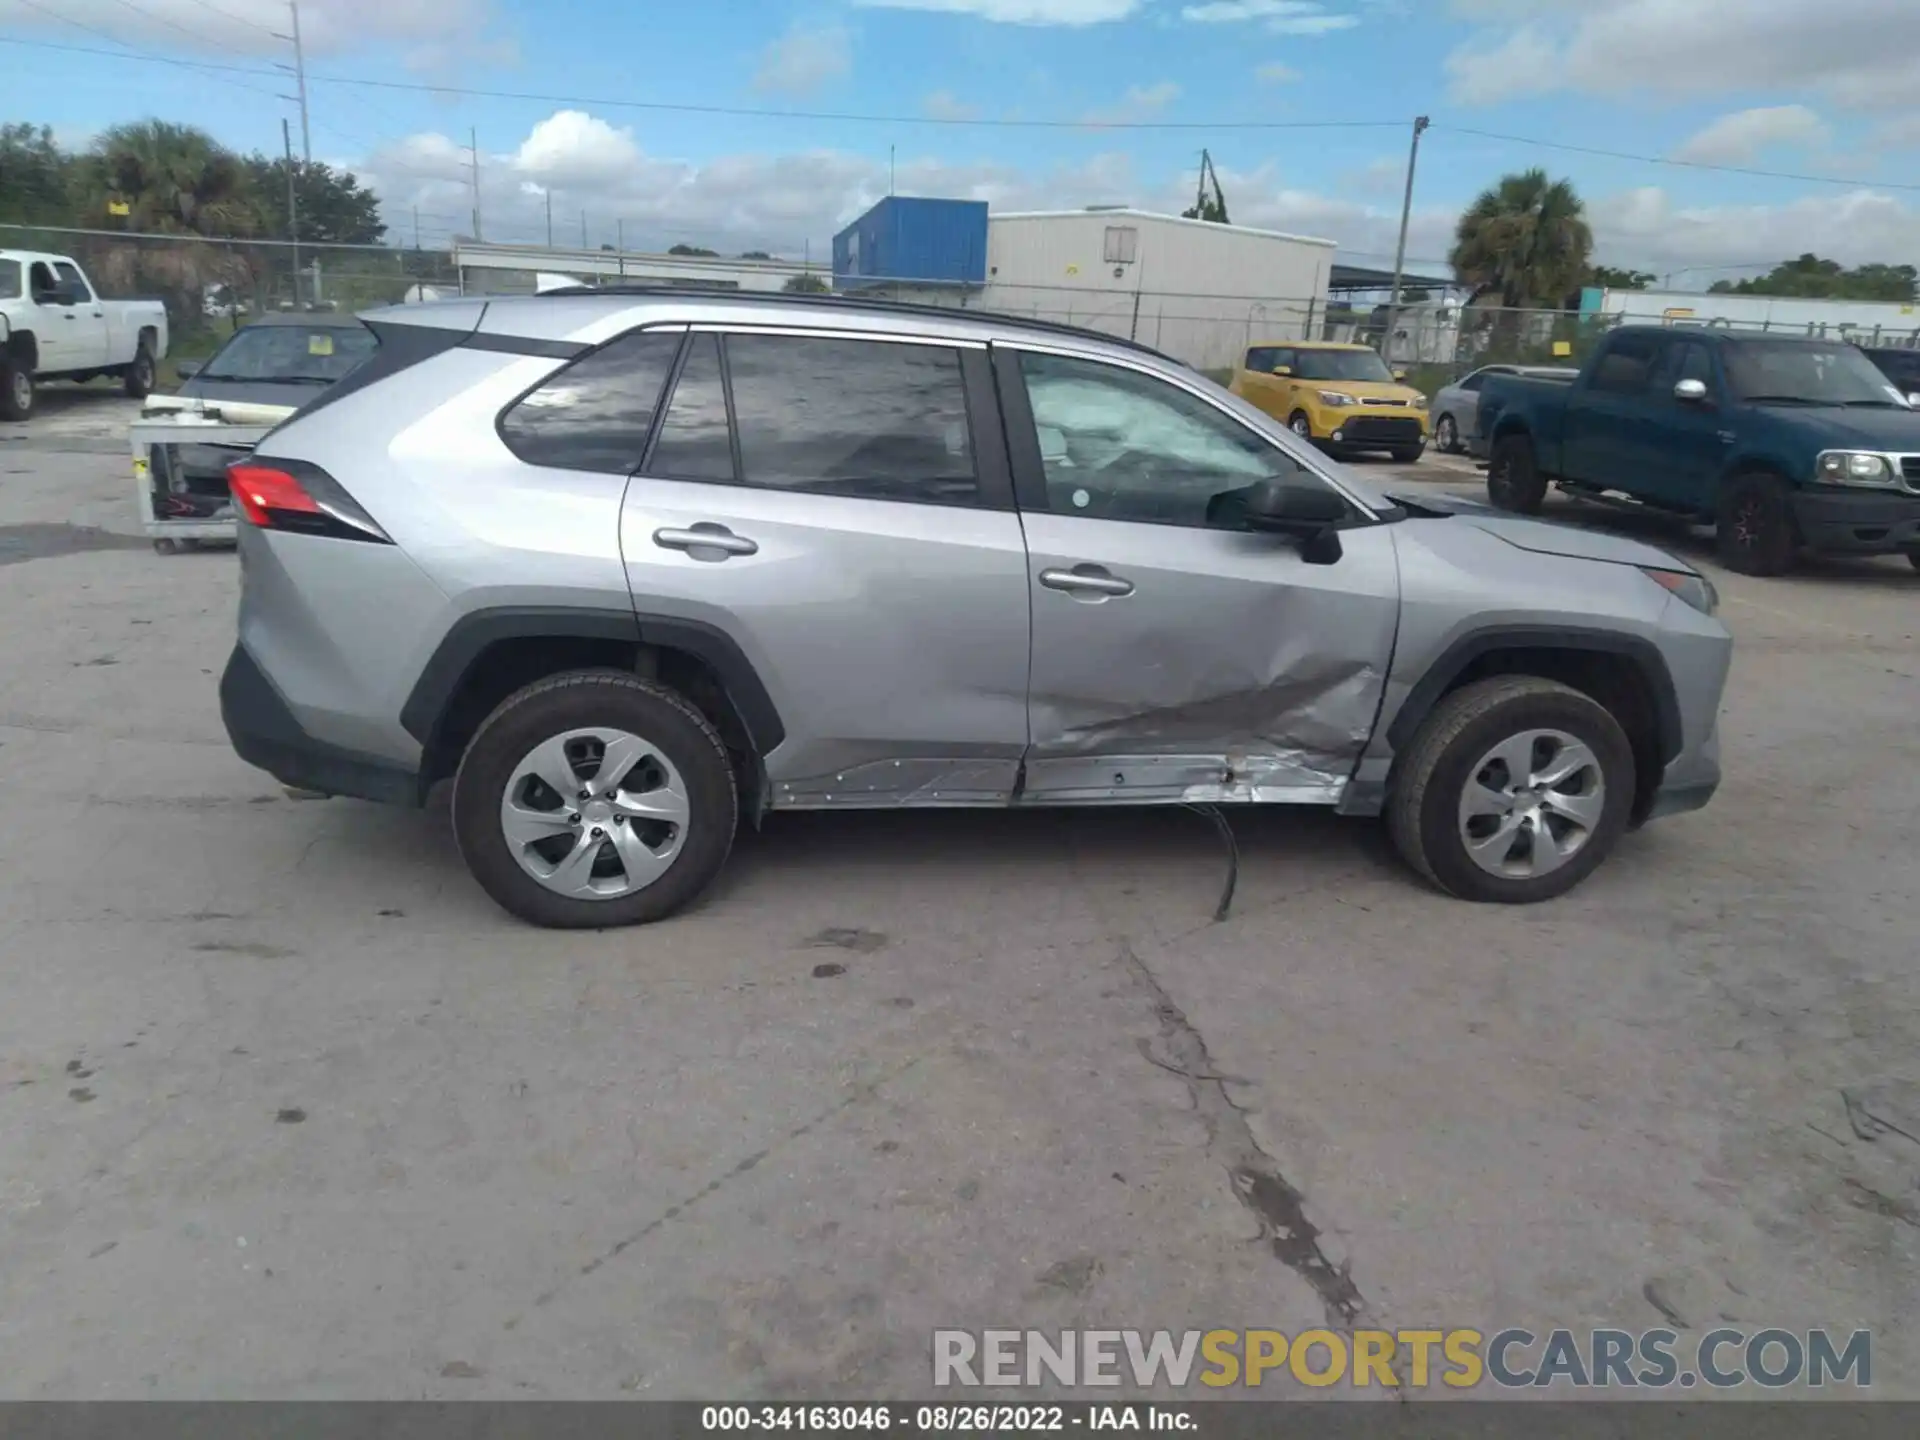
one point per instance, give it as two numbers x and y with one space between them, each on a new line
1086 581
708 536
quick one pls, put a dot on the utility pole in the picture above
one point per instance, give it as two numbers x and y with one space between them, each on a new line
293 212
416 227
300 76
1400 253
620 245
889 170
473 134
549 195
583 229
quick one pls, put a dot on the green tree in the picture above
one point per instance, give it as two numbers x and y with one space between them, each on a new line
36 177
1608 278
1811 277
807 284
690 250
333 205
1524 242
172 180
755 255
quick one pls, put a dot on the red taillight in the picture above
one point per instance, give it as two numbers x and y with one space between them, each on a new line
258 489
300 497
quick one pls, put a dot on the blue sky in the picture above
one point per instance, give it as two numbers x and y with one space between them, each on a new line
1779 85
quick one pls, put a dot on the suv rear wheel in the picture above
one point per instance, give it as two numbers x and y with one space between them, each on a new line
1513 790
595 799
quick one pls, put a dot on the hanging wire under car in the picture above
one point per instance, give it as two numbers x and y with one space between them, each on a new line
1212 812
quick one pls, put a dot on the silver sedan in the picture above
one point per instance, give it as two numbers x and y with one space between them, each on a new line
1456 408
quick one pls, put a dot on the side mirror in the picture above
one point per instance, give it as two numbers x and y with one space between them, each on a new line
1283 371
186 369
1691 392
1304 509
1914 400
70 292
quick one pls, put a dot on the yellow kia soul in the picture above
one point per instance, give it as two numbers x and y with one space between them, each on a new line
1342 396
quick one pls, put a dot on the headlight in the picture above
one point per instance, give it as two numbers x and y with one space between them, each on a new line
1696 590
1418 402
1854 467
1335 398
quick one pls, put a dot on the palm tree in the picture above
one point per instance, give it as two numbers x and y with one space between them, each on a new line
1523 244
172 180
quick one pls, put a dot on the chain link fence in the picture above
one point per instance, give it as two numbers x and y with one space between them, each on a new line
212 286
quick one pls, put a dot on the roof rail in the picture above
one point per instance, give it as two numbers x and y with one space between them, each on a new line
803 300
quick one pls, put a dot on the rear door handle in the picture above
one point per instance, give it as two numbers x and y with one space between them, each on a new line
706 535
1086 580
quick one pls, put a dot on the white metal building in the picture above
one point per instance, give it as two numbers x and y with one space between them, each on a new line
1199 291
1867 322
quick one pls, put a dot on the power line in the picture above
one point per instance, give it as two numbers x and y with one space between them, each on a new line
1669 160
193 35
127 52
237 19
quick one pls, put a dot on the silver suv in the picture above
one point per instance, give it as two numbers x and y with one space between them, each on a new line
624 565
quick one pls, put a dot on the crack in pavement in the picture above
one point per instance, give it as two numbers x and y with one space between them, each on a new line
673 1212
1256 1178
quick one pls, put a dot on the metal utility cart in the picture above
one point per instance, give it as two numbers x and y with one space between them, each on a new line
181 448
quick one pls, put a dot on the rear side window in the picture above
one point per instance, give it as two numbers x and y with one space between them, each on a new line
694 442
867 418
1624 369
1260 359
595 414
70 275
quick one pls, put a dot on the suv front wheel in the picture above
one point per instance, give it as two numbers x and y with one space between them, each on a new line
595 799
1513 790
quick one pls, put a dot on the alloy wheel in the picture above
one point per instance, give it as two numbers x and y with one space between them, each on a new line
1531 803
595 814
22 384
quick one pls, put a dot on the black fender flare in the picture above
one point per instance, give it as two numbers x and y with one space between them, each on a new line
472 633
1644 655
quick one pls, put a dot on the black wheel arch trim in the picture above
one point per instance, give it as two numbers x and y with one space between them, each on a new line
470 636
1441 675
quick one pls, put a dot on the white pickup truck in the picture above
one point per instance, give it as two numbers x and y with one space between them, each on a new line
53 324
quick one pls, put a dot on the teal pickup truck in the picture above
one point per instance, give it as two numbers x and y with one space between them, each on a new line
1782 444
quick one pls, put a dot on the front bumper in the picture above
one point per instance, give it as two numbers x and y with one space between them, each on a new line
1689 781
265 733
1857 522
1361 427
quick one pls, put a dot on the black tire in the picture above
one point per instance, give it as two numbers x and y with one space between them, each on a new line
1429 779
1514 481
1300 424
1446 435
1913 558
137 378
1753 528
1407 454
16 390
578 700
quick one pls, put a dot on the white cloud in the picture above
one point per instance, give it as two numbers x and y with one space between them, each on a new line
252 27
944 105
1019 12
1275 73
1282 17
1860 53
793 203
1141 102
800 62
1742 137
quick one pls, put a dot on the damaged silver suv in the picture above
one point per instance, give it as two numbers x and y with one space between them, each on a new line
626 565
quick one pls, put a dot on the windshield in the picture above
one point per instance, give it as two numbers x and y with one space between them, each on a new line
1806 374
9 279
1342 365
316 354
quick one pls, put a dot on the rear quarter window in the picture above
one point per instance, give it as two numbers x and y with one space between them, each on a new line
596 413
9 279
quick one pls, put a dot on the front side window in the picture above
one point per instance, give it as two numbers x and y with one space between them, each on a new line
69 274
595 414
1260 359
1474 381
1625 368
1685 360
1119 445
874 419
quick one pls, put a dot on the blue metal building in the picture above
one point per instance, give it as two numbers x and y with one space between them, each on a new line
914 241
